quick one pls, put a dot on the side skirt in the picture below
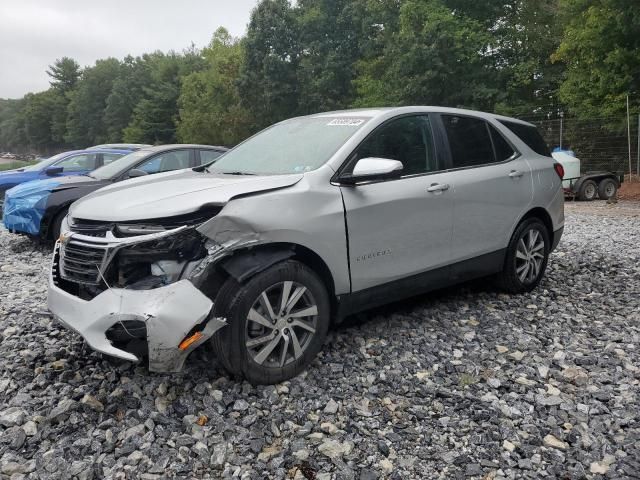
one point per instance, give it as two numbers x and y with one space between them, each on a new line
438 278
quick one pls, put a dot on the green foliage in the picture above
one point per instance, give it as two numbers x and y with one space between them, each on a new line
600 51
85 125
517 57
64 73
211 110
433 58
268 77
155 115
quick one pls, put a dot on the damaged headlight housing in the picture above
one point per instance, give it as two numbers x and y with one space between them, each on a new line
161 261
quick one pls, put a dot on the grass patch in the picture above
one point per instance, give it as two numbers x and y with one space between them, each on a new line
16 164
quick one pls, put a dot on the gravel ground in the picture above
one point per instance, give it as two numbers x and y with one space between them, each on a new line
465 383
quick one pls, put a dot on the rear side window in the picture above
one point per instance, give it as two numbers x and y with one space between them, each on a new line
504 151
530 136
107 158
167 161
208 156
469 141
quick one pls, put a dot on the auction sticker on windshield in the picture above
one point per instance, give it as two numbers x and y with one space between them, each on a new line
346 122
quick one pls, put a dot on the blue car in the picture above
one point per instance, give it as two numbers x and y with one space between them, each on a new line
75 162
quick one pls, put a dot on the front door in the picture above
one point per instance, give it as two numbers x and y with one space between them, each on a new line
402 227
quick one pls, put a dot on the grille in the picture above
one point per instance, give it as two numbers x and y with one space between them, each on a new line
80 262
90 228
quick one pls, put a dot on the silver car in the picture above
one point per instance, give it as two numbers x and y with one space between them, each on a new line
308 221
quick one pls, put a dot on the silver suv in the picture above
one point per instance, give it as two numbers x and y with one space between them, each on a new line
308 221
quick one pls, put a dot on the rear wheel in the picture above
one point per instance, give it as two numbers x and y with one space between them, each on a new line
277 323
607 189
527 256
588 191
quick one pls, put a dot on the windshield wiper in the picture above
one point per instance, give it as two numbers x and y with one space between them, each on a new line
235 173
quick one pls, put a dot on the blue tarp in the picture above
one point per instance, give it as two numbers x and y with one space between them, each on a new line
24 205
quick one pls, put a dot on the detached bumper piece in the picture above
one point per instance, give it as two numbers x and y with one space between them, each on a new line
173 320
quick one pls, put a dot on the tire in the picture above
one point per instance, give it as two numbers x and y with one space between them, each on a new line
56 224
511 278
588 191
2 192
607 189
237 302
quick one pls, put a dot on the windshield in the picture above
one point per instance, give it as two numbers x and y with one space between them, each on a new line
42 164
295 146
118 167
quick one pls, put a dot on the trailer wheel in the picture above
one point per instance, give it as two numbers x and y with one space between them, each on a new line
588 191
607 189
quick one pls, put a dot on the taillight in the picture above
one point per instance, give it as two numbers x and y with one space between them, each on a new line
559 170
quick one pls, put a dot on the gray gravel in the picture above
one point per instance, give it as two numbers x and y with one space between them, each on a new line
466 383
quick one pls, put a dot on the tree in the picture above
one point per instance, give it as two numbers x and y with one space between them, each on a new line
268 78
85 125
126 93
210 105
38 111
64 73
433 58
526 35
600 52
329 41
155 116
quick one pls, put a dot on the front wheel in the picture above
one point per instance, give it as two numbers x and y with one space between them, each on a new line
277 322
526 258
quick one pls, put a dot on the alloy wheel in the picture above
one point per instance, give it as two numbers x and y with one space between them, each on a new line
530 256
281 324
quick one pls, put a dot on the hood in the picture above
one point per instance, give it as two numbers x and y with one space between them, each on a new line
175 193
50 185
11 172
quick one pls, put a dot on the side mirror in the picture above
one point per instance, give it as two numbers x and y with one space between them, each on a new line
53 171
371 169
136 172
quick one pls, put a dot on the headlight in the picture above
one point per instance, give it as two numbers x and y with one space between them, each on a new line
158 262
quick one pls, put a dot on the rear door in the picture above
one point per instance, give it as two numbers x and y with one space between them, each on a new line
398 228
491 186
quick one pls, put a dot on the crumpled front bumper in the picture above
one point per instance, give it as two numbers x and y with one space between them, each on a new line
170 314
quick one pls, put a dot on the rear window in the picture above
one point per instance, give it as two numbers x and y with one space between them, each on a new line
529 135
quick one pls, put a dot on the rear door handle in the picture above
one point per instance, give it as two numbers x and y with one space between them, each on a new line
438 187
516 174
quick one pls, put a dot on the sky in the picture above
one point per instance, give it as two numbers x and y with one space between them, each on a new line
34 33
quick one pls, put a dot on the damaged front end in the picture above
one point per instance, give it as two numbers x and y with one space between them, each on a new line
129 290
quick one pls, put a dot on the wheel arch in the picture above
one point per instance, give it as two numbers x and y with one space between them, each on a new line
244 263
539 213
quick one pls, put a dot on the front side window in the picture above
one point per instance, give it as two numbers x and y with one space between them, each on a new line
407 139
208 156
294 146
78 163
166 162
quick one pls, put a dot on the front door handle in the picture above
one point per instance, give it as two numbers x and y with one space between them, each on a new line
437 187
516 174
